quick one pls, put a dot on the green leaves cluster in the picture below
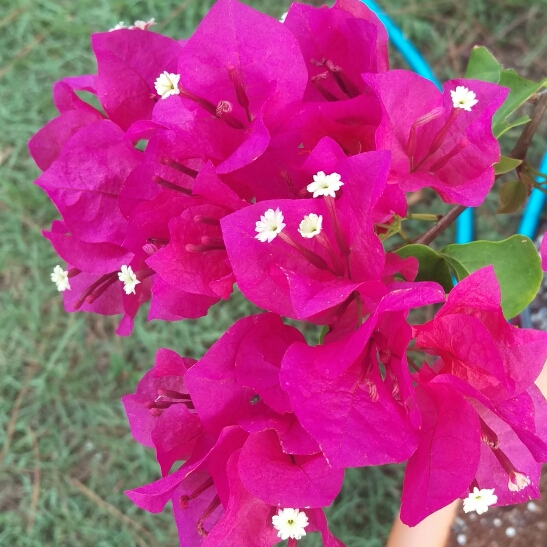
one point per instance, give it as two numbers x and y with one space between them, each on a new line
516 264
484 66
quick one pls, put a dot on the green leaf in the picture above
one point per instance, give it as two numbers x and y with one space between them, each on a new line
505 165
502 127
458 269
433 266
483 66
516 263
323 333
513 194
521 90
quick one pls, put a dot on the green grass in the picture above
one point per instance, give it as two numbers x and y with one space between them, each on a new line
66 454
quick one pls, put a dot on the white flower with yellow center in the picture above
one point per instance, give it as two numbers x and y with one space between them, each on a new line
119 26
167 84
60 278
518 482
310 226
325 185
479 500
290 523
270 224
463 98
129 279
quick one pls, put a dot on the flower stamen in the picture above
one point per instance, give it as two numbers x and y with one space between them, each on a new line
178 167
170 186
212 506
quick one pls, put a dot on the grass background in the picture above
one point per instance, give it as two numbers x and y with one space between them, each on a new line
66 454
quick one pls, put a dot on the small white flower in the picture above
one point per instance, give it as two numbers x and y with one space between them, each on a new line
60 278
463 98
118 26
167 84
270 224
310 225
290 523
518 482
283 17
129 279
144 25
325 185
479 500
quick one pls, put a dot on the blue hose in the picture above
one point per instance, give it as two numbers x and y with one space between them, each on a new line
529 224
408 51
530 219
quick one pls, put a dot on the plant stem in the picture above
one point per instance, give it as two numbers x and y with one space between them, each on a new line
520 149
427 237
423 216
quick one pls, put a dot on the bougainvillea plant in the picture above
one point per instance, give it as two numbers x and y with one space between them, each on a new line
256 154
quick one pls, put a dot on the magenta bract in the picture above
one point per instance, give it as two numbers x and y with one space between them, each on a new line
478 345
284 279
434 144
286 480
339 397
334 68
128 64
447 456
157 414
85 180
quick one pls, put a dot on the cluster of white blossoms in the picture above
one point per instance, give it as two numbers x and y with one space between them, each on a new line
325 185
479 500
167 84
290 523
129 279
119 26
463 98
270 224
142 25
60 278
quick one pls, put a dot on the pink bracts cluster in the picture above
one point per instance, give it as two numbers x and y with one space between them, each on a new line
255 153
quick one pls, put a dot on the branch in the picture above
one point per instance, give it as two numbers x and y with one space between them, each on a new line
520 149
427 237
